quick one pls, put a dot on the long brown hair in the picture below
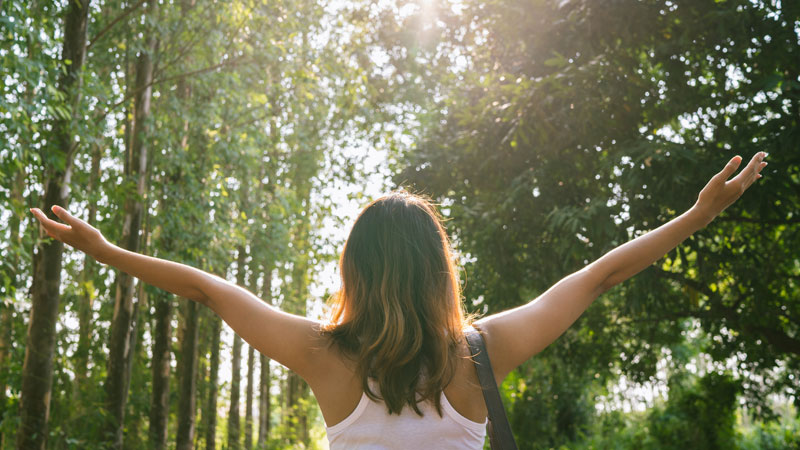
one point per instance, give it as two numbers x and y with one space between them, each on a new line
399 314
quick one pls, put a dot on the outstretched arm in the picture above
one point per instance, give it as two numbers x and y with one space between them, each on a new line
289 339
514 336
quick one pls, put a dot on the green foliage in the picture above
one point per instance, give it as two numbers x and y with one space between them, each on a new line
555 131
772 435
699 414
548 404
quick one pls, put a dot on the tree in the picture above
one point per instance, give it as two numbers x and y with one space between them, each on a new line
265 379
37 371
159 407
234 441
123 321
211 424
188 382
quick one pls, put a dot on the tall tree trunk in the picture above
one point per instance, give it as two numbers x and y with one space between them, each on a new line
248 408
263 402
233 415
132 425
188 381
213 373
136 168
5 346
162 340
304 170
37 371
263 399
86 299
6 305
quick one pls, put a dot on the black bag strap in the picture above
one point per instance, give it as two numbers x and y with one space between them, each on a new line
500 436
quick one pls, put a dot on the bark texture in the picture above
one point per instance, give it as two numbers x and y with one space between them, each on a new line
188 381
248 404
213 375
86 299
162 339
37 371
234 441
6 304
263 398
122 322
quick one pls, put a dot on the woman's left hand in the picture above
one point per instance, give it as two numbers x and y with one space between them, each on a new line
74 232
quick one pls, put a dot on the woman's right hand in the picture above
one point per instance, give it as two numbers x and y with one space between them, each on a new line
75 233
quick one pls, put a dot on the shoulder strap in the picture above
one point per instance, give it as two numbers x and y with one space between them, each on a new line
500 436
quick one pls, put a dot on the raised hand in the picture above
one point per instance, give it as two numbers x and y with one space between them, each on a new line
720 192
75 232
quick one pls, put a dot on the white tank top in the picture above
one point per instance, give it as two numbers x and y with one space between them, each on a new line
371 427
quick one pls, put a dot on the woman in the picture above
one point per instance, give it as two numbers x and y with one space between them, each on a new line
391 368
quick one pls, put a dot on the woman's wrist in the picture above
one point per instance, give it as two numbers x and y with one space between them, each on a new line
700 216
104 252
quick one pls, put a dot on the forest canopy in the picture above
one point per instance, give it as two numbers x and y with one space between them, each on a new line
227 136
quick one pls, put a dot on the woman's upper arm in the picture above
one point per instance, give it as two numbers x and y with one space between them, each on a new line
515 335
291 340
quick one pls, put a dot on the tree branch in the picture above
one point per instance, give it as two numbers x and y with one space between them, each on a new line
111 24
779 340
131 94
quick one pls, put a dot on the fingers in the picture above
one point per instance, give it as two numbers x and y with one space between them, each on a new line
751 173
760 168
51 227
62 214
729 168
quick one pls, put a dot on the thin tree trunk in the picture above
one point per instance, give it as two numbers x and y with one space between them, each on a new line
122 320
234 442
162 339
132 425
298 389
233 414
188 381
6 309
213 371
201 398
263 399
263 402
5 345
37 371
248 408
86 300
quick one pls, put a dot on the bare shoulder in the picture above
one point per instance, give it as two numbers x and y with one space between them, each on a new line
332 377
464 391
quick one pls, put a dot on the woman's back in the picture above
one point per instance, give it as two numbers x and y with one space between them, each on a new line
370 426
339 392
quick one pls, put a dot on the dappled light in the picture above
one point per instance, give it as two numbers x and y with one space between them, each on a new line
243 138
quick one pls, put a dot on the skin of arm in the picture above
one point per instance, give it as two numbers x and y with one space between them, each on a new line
289 339
515 335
